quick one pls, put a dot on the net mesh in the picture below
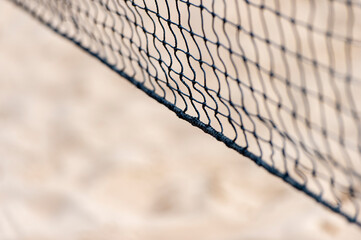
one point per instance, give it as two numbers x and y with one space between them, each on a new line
277 80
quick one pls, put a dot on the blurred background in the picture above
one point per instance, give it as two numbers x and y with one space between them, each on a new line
85 155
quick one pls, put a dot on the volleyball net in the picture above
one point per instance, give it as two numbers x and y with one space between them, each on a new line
278 80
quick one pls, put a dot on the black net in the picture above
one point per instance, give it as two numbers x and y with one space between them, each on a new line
277 80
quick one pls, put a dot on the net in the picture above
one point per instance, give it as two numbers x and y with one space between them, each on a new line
277 80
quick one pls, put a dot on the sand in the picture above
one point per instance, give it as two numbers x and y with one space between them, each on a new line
85 155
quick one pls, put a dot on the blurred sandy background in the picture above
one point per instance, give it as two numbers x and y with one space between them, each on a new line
85 155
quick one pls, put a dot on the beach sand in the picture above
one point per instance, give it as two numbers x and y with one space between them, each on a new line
85 155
